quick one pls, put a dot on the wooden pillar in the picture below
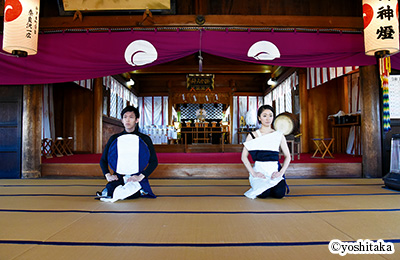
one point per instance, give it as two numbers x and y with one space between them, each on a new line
31 131
371 139
303 96
98 115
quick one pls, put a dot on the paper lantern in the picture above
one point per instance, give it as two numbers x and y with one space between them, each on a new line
381 27
21 27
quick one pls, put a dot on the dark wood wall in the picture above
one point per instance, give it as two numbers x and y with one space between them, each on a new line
246 7
325 100
73 115
110 126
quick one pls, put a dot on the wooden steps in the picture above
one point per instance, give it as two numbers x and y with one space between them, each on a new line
198 148
325 169
295 170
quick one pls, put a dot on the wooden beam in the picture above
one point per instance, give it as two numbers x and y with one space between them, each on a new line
303 95
98 115
31 131
275 21
248 69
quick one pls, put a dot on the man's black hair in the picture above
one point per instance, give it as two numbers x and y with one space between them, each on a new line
130 109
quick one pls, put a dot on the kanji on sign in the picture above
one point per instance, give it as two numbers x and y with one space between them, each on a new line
386 32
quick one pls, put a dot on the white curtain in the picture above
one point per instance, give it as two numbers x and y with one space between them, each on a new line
140 107
235 121
147 112
153 111
354 107
318 76
157 111
133 100
47 113
165 111
242 105
268 99
282 95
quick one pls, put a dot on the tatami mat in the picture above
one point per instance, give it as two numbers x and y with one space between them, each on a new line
194 219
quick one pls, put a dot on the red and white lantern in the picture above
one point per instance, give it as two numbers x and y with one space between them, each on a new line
381 26
21 26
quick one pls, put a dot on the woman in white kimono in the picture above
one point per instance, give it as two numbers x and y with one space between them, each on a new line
267 175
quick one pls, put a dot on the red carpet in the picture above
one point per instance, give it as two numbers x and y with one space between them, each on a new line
203 158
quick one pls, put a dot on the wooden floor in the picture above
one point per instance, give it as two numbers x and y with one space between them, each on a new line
194 219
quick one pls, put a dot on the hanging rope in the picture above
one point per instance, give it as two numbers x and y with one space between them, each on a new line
200 57
384 70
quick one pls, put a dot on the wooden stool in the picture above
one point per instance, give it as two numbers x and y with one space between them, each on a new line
58 147
323 145
46 147
67 145
294 148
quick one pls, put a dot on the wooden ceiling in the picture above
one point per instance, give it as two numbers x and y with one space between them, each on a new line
244 77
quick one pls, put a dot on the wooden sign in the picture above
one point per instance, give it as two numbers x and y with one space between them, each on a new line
202 82
73 5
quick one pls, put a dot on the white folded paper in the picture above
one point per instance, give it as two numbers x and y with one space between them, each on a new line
123 191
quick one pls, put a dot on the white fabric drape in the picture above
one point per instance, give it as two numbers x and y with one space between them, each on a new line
47 112
153 111
165 111
235 121
241 106
354 107
147 112
120 94
157 111
140 106
268 99
282 95
242 111
87 83
318 76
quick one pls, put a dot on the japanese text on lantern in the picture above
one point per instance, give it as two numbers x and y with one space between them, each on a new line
385 32
32 23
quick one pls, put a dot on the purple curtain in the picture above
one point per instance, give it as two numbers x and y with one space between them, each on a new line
296 49
64 57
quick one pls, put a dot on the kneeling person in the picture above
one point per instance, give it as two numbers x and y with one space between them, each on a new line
132 157
267 176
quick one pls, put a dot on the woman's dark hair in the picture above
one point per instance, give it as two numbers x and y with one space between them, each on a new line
262 108
130 109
